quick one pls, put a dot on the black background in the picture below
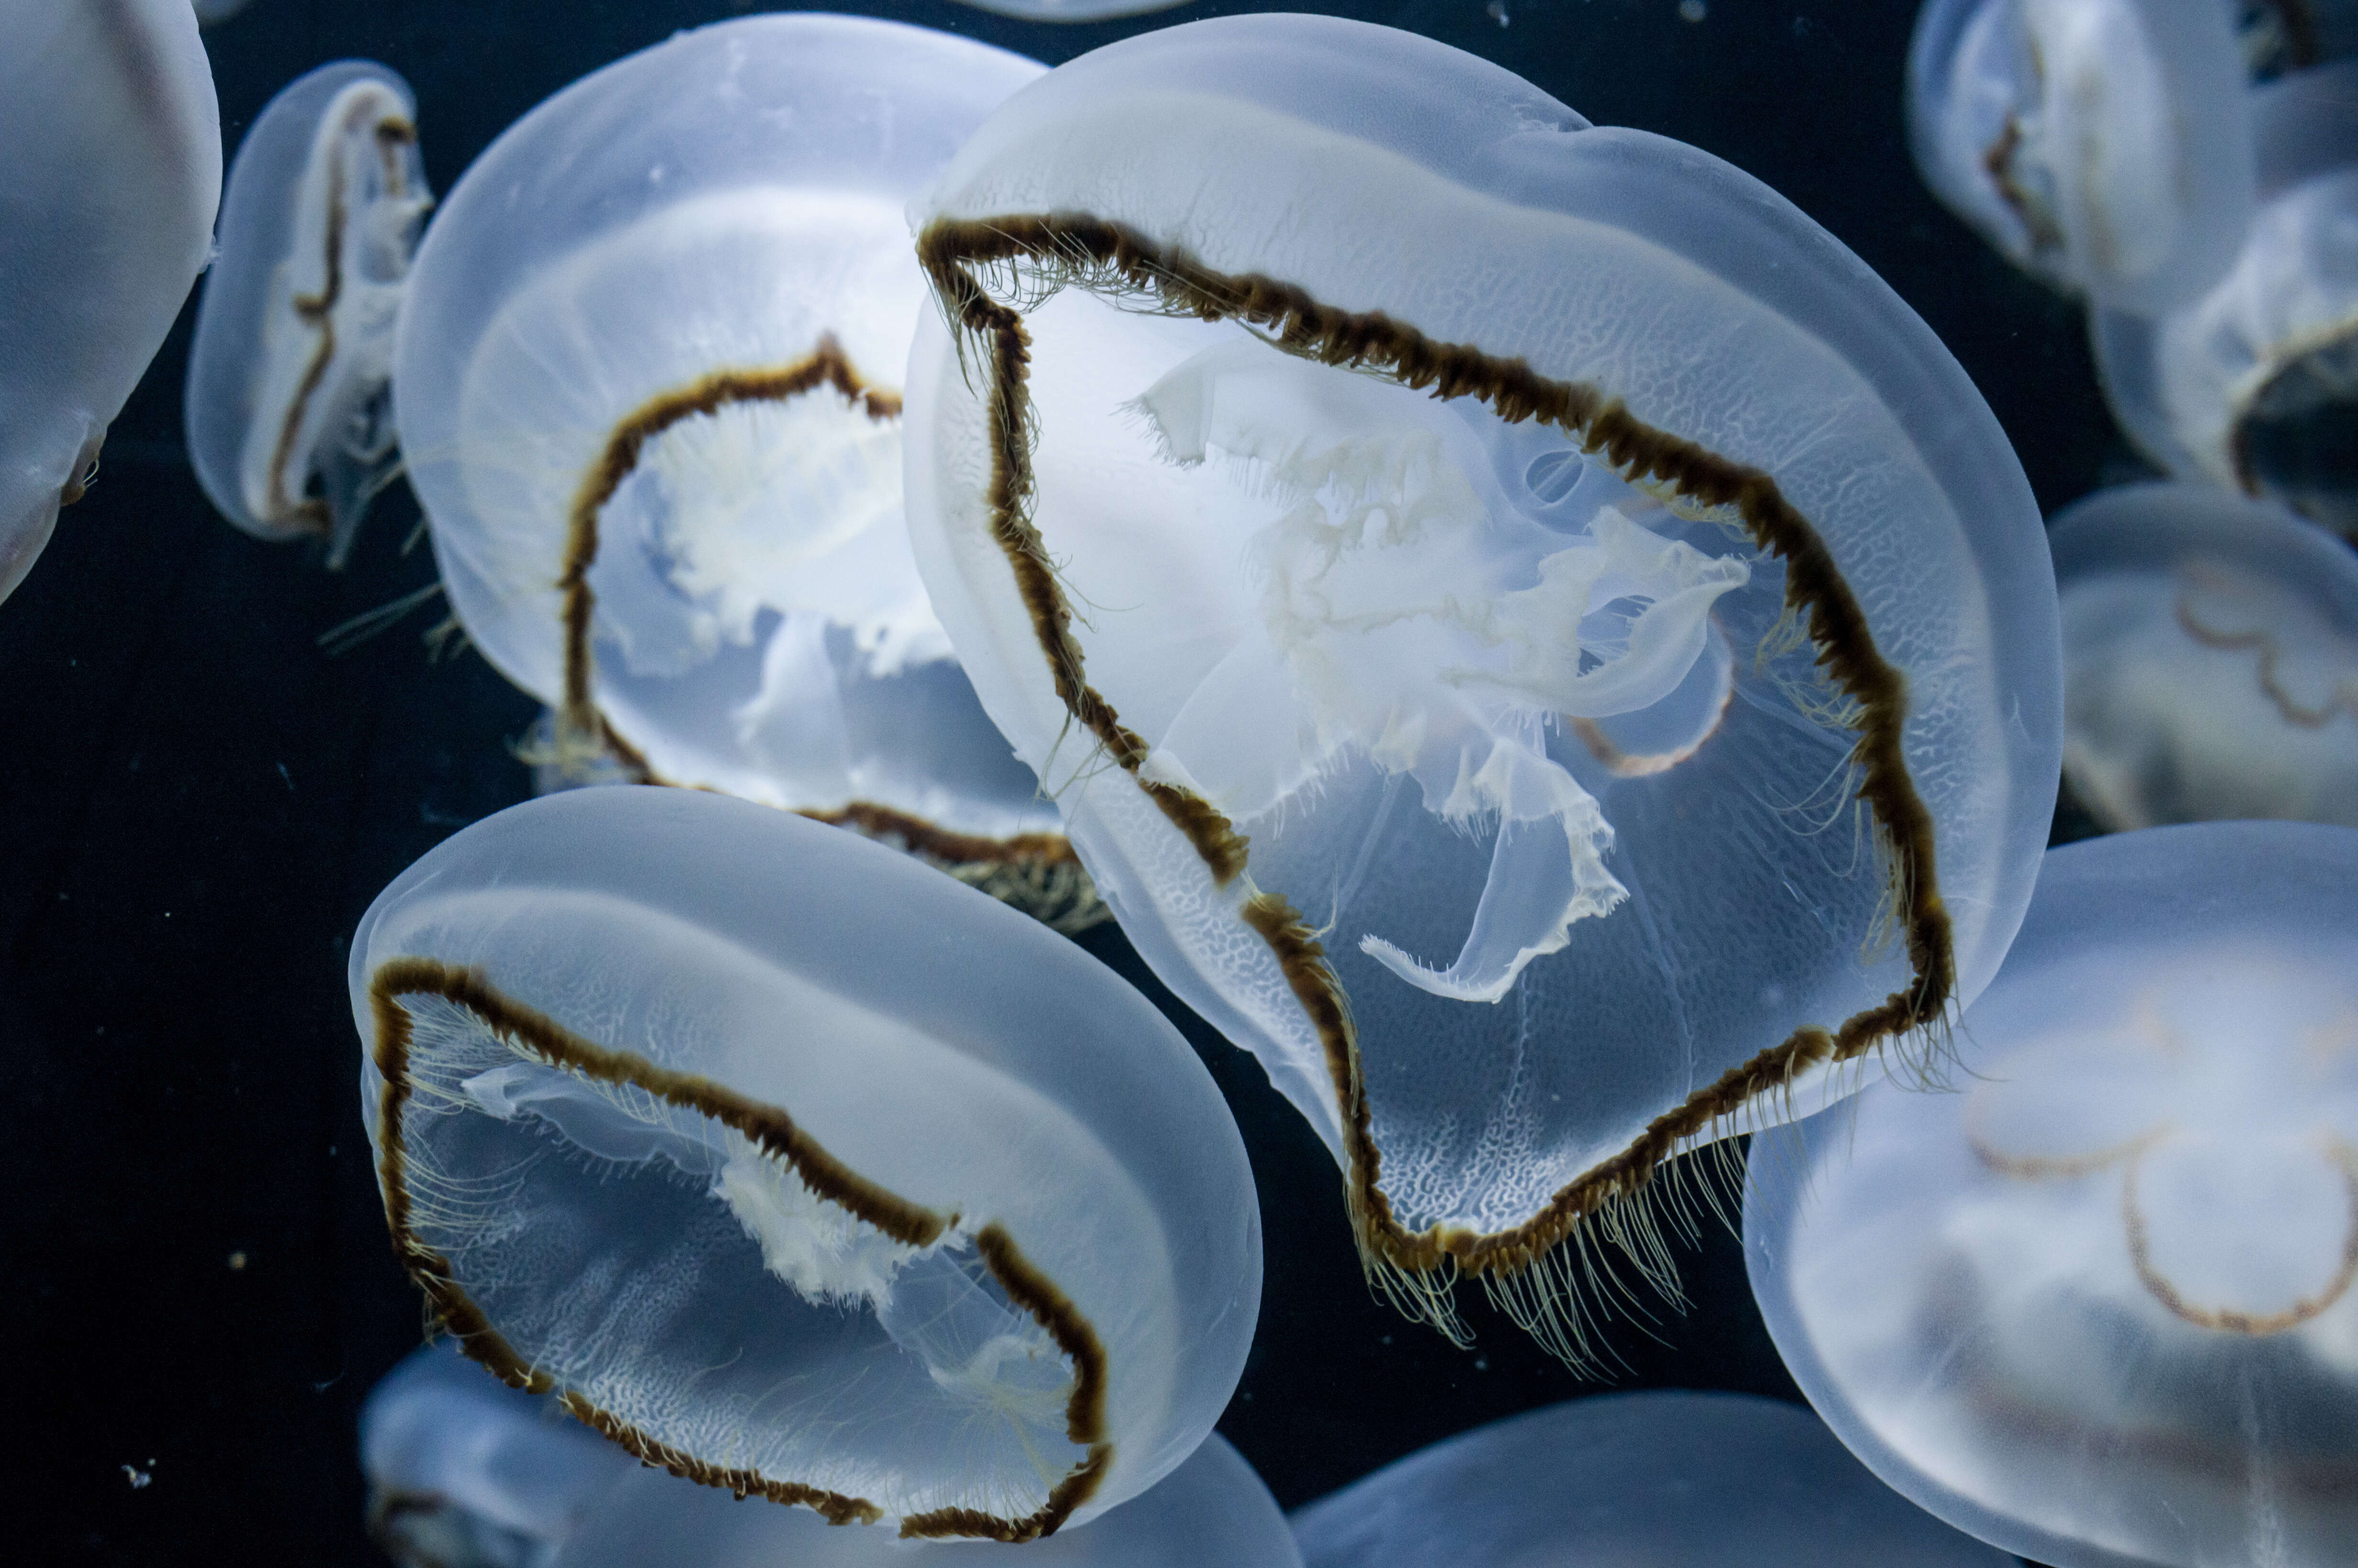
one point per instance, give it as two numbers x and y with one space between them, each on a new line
199 803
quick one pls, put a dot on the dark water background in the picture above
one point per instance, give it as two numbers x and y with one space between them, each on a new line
198 803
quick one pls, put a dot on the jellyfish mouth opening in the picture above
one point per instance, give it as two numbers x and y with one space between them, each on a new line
319 479
720 441
2022 186
988 274
994 1337
2295 439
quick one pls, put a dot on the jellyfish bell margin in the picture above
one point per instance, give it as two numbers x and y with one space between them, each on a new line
1251 544
736 1091
654 425
288 407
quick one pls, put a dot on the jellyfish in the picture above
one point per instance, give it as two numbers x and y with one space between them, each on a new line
290 419
1529 635
1702 1480
2099 144
1211 1512
647 378
2209 659
2095 1306
106 212
465 1472
798 1169
2254 385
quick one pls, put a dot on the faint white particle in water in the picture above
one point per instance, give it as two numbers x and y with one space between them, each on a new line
138 1478
1496 12
1692 10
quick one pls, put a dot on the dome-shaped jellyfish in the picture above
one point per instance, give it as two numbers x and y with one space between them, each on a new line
2209 659
1457 571
2254 385
2096 1307
798 1169
2100 144
465 1472
1211 1512
648 385
290 419
109 167
1700 1480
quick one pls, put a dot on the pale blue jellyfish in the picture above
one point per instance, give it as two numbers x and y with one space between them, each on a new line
2253 385
1211 1512
465 1472
2209 659
2095 1306
1698 1480
1530 636
649 386
289 415
2100 144
798 1169
110 168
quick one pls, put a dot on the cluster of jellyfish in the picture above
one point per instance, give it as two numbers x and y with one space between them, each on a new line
1527 634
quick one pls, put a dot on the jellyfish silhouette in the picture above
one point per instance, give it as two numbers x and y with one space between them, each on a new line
289 415
2100 144
2209 659
1700 1480
647 378
2096 1306
1529 635
465 1472
112 168
2254 385
798 1169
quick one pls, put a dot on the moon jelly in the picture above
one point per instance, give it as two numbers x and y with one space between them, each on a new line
647 379
108 181
2254 385
1457 571
1700 1480
1211 1512
2096 1308
290 419
798 1169
2209 659
465 1472
2101 145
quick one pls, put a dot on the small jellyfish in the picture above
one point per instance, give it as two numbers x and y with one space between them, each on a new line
465 1472
108 180
290 419
2254 385
2209 659
648 384
1211 1512
1699 1481
1531 638
2096 1307
798 1169
2100 144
